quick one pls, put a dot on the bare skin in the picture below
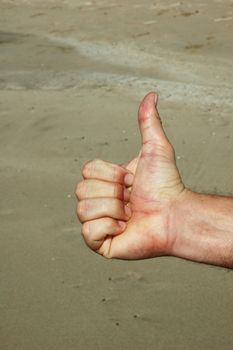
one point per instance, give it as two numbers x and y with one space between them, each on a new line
141 209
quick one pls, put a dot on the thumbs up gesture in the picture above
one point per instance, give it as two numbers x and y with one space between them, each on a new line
127 211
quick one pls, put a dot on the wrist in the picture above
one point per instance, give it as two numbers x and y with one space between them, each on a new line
202 228
179 225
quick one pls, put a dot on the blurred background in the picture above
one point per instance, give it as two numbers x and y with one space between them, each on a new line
72 74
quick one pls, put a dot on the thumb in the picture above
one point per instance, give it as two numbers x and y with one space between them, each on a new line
149 120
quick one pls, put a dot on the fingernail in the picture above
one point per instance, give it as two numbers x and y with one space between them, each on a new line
156 99
128 211
128 179
122 225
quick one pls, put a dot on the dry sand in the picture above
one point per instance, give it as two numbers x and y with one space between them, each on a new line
72 74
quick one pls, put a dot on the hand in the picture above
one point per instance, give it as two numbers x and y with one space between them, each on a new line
127 210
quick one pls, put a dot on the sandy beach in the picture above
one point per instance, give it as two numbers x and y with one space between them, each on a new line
72 74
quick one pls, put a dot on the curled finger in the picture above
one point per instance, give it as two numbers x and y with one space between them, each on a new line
101 170
92 188
96 208
96 231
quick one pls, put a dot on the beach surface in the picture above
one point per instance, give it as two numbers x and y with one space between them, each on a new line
72 74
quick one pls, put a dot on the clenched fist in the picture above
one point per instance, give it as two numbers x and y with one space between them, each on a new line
126 210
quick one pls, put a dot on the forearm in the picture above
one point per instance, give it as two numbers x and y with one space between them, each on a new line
204 229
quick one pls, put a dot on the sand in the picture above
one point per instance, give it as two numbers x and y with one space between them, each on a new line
72 74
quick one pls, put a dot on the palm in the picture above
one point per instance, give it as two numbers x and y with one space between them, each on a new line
155 179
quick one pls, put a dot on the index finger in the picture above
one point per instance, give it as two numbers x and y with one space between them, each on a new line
101 170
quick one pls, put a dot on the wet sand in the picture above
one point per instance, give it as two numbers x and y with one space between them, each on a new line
72 74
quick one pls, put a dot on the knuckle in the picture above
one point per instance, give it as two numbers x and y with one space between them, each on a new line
97 163
85 230
97 160
81 210
90 166
88 235
86 167
80 189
